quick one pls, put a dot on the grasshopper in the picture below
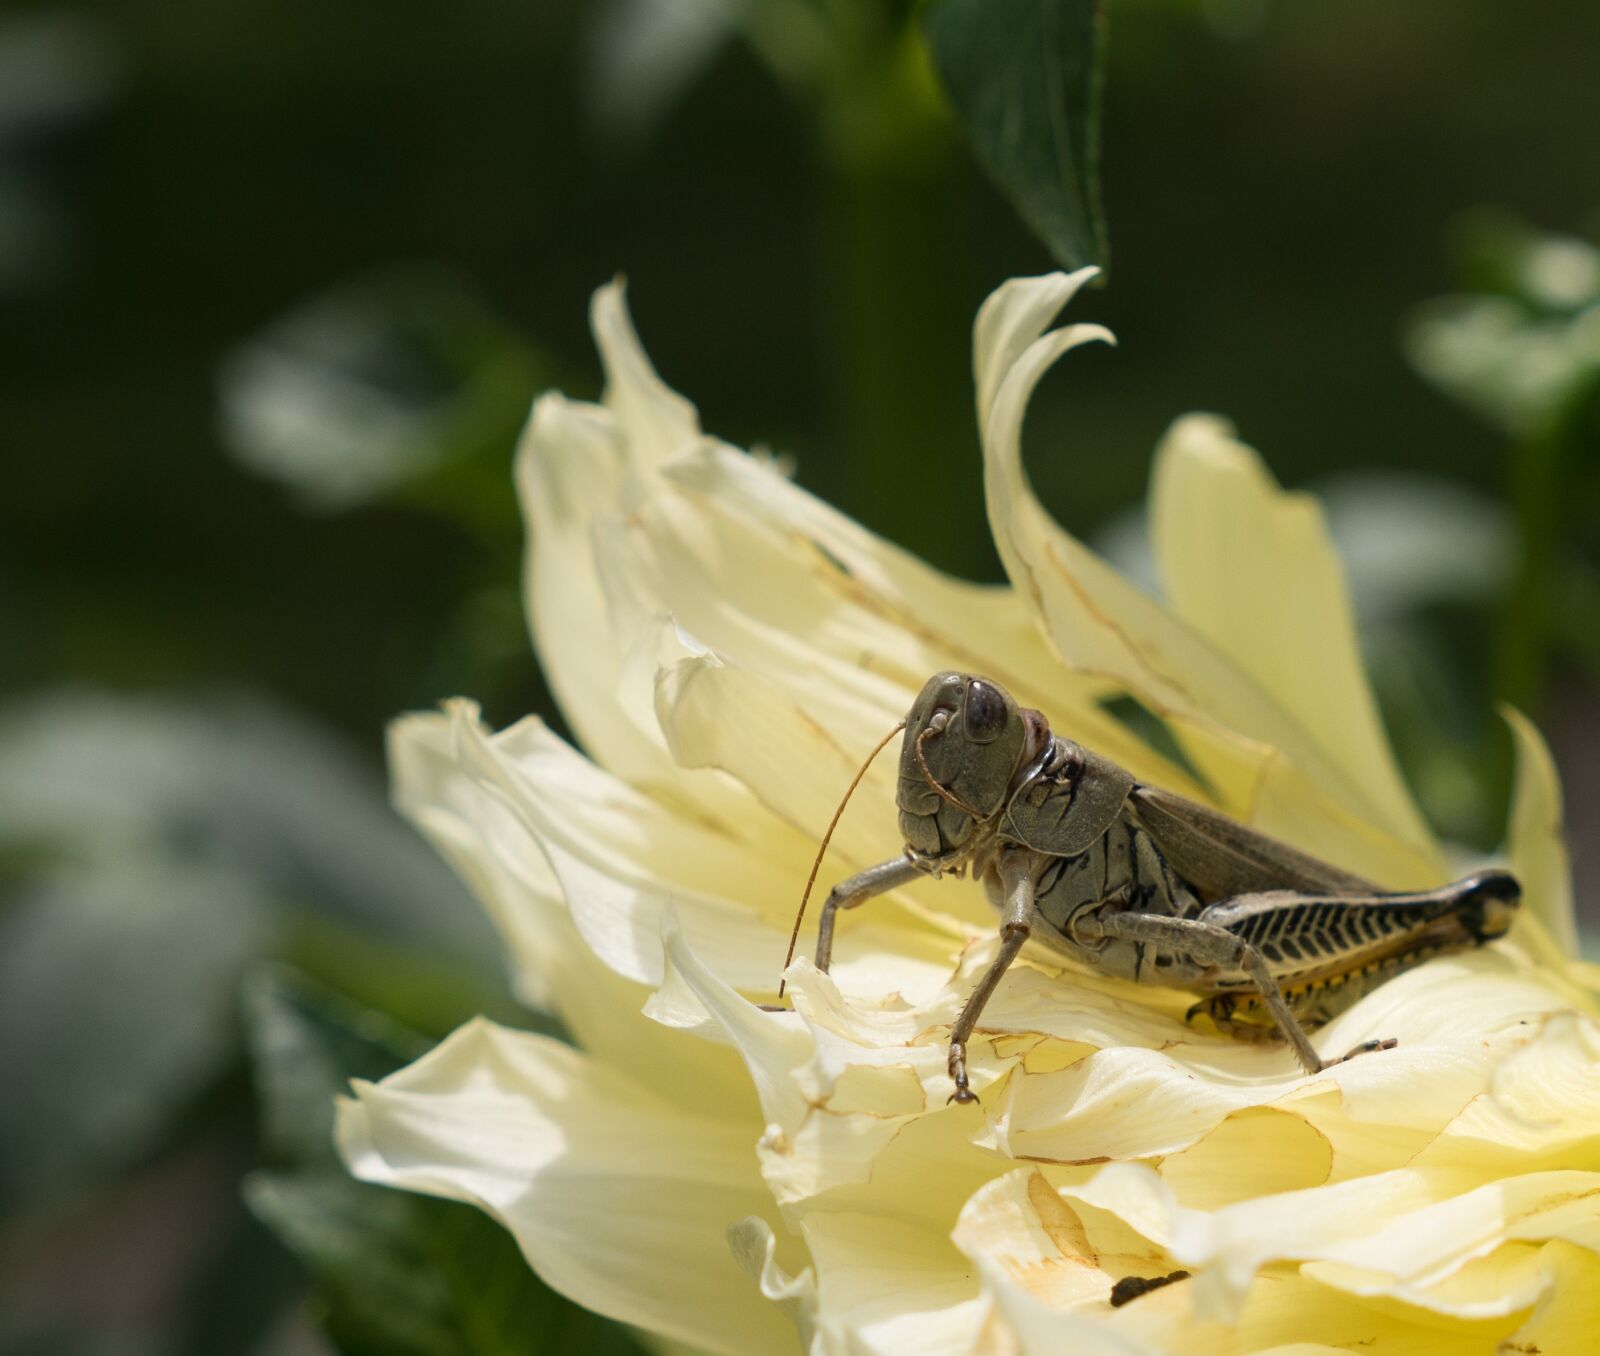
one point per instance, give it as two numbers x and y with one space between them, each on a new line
1139 883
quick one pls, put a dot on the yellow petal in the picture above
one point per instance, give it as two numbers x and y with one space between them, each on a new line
618 1200
1258 1151
1157 1085
806 1150
1541 1108
889 1287
1038 1252
1534 840
1254 571
1567 1315
569 471
618 859
876 610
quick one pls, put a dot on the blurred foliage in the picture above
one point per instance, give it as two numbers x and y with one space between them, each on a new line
1521 348
393 1273
153 853
403 384
56 69
277 283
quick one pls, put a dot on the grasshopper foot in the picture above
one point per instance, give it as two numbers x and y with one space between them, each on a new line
1366 1047
958 1075
772 1007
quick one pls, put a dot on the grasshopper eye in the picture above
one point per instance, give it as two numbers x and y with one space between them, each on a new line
985 712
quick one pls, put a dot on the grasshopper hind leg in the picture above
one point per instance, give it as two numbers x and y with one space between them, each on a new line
1205 944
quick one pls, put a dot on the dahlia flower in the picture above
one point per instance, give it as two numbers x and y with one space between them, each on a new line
728 1179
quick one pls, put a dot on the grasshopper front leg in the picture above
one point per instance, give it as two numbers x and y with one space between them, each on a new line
1016 923
1209 945
857 890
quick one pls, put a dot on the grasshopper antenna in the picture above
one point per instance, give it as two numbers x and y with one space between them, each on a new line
816 866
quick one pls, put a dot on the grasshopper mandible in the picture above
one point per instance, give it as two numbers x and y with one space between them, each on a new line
1142 884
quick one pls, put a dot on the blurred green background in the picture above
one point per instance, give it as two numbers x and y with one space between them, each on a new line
278 282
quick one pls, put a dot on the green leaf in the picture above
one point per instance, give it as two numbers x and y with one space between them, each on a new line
394 1274
1024 77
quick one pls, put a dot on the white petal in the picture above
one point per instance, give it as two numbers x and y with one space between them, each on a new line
655 421
755 1248
619 1201
618 869
478 830
569 470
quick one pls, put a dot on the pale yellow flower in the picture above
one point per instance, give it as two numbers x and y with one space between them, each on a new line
726 649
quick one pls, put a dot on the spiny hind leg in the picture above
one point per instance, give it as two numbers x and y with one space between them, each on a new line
1207 944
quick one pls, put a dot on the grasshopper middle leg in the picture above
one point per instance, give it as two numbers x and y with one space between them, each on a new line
1016 923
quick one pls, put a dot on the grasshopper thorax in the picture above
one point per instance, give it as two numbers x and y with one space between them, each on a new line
966 739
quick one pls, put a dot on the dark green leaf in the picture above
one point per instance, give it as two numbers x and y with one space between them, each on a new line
394 1274
1024 78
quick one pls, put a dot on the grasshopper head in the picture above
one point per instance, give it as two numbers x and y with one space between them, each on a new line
968 735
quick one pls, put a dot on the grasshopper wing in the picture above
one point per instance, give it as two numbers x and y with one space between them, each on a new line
1220 857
